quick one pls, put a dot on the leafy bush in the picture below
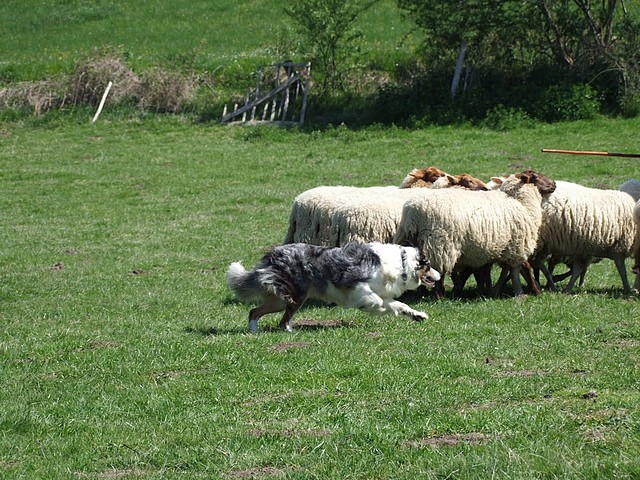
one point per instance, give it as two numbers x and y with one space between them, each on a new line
574 102
630 104
503 118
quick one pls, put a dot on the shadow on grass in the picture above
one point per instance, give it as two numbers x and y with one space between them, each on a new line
270 325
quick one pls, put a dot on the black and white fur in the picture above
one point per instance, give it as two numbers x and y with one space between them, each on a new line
363 275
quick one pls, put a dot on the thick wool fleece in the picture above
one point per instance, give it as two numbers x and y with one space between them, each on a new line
465 228
584 222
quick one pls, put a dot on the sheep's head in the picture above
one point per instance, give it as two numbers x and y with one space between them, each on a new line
422 177
496 182
465 180
545 184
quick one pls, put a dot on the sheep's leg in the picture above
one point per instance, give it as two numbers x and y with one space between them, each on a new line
504 273
576 270
527 273
483 278
439 288
551 284
562 276
622 270
460 278
270 304
584 274
515 279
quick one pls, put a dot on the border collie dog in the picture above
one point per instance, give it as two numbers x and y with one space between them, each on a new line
367 276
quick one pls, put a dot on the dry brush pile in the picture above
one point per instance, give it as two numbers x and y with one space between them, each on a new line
156 89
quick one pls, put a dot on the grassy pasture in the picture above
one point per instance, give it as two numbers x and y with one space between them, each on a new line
41 38
123 354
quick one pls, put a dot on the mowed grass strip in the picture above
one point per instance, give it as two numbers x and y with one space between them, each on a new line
124 355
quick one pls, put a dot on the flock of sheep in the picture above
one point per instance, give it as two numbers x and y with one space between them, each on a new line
524 223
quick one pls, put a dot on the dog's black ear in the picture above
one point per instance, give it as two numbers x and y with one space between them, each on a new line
423 261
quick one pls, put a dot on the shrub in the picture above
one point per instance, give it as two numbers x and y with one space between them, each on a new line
630 104
165 92
503 118
91 77
574 102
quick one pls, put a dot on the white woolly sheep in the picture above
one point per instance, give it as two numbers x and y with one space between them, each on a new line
324 215
582 224
459 228
310 217
372 214
311 213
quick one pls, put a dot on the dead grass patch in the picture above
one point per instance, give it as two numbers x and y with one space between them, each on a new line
257 472
290 432
449 440
284 346
156 89
115 473
164 91
623 342
40 96
91 77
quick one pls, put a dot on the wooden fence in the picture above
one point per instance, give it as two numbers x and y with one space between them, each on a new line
285 101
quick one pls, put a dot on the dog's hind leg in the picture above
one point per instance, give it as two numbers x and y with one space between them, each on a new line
287 319
270 304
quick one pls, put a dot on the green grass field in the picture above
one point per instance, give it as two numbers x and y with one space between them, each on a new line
123 354
44 38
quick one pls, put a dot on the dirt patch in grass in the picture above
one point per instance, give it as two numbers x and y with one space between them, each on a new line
284 346
374 334
138 271
257 472
520 373
623 342
97 345
172 374
312 324
290 432
116 473
449 440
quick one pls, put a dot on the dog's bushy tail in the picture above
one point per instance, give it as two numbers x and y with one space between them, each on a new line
244 284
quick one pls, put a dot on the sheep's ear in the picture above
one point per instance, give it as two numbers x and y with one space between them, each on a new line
451 179
497 180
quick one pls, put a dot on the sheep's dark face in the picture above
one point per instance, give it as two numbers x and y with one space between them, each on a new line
545 184
422 178
470 183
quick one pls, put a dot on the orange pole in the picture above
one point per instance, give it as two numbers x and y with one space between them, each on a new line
582 152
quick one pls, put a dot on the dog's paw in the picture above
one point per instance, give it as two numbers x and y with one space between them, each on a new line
419 316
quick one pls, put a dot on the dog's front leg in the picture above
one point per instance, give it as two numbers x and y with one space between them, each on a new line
398 307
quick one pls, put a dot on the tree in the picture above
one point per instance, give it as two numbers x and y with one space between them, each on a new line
326 24
584 38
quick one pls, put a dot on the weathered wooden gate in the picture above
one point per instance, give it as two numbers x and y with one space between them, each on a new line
285 101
